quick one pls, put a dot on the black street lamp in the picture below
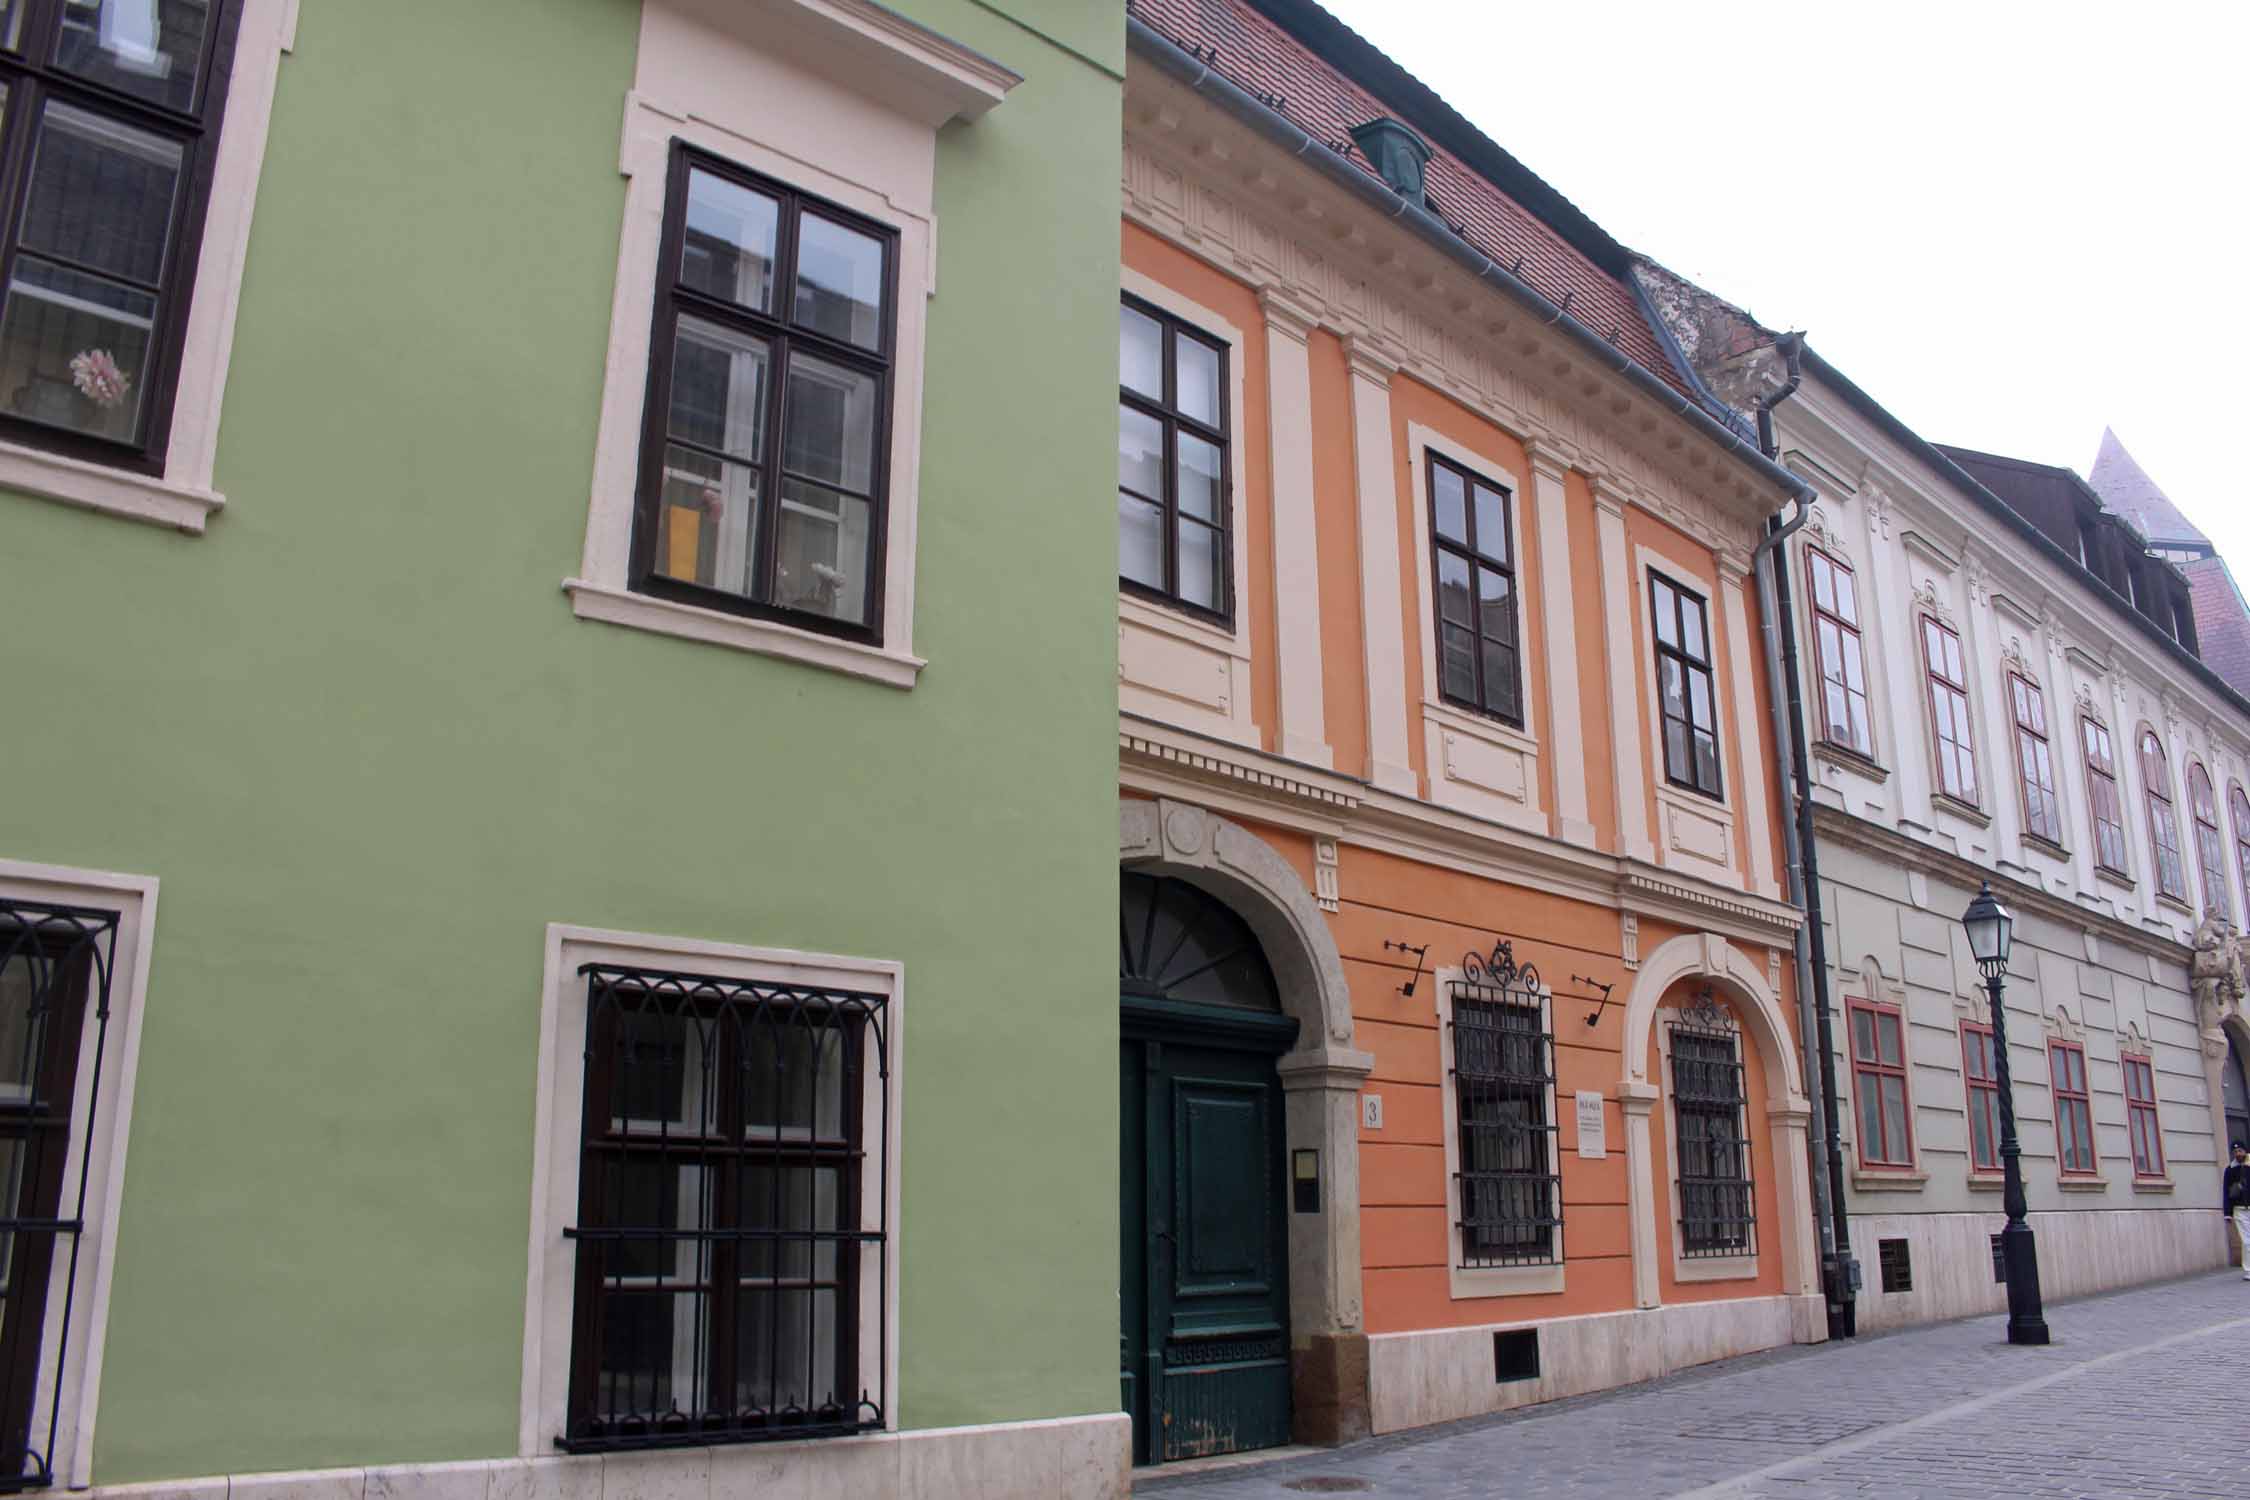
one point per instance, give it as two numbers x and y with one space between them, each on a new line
1991 933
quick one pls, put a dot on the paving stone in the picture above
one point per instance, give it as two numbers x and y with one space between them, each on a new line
2136 1398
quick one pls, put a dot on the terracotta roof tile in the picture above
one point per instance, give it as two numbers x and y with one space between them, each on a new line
1257 55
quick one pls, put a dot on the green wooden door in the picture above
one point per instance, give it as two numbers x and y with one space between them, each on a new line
1205 1301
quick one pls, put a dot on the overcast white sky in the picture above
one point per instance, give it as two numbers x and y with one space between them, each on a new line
2012 225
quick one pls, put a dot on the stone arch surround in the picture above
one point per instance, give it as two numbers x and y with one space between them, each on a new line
1320 1080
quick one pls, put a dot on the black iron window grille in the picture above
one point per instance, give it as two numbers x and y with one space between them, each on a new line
1503 1079
1717 1208
733 1229
55 961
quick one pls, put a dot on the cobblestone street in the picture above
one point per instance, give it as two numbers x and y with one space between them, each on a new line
2140 1395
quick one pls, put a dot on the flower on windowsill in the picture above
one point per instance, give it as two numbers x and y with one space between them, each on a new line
830 578
97 377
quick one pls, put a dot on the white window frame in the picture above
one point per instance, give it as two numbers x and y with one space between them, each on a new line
551 1281
774 98
182 496
1687 1268
1465 1282
97 1146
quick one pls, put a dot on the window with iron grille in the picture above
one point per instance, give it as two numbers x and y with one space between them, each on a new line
2163 823
1510 1195
1708 1099
732 1231
55 969
1844 718
1982 1072
763 462
2035 761
1473 551
2203 803
2101 792
109 123
2074 1110
1948 673
1684 692
1879 1082
1174 510
2141 1124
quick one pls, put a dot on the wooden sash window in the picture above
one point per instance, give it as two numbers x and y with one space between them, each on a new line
2203 805
1879 1083
1684 692
1479 658
1981 1070
2141 1124
1174 493
2163 822
2103 801
765 452
2035 761
2239 806
1844 717
2074 1110
1948 674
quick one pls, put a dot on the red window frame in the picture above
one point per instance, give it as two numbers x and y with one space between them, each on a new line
1981 1073
2035 760
2066 1070
2203 807
2104 801
2239 805
1837 652
1875 1067
2163 818
1945 669
2141 1124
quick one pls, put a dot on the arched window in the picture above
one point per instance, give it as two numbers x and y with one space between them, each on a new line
2203 806
2101 794
2035 762
2239 806
2163 822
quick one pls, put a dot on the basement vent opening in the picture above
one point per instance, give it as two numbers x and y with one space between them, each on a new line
1897 1264
1515 1355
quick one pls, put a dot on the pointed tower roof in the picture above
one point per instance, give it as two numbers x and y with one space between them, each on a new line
2126 488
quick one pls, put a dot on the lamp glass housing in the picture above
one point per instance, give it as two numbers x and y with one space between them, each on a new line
1991 928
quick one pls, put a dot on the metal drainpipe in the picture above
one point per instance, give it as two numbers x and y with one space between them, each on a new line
1815 1026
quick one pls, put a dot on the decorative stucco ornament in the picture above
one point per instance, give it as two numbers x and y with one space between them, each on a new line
2217 973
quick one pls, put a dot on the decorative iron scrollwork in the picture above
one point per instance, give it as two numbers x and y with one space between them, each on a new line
1705 1013
1499 969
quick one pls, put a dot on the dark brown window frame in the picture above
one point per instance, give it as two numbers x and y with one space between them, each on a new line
2101 776
606 1138
1475 555
1865 1069
1987 1086
1167 415
783 335
1841 575
2238 809
1935 682
2140 1110
1690 668
2035 744
30 85
2209 850
2079 1101
2163 818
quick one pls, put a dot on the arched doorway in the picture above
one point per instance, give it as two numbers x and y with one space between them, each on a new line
1204 1291
2234 1090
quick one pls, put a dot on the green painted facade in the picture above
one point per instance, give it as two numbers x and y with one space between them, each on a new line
358 735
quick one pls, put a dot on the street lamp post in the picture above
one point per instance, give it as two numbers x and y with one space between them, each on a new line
1991 933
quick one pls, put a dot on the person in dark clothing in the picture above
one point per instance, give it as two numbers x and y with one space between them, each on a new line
2234 1198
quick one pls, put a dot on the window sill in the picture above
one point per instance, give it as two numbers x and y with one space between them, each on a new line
2083 1184
2178 904
1830 753
592 601
2152 1184
1987 1182
2046 846
1967 812
1717 1268
1136 609
116 492
1480 726
1504 1281
1888 1179
2116 878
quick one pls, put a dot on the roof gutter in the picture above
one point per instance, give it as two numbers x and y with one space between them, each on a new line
2038 541
1231 97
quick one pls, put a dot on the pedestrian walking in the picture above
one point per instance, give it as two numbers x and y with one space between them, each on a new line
2234 1193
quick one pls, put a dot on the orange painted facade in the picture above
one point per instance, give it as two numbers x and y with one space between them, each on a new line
1407 819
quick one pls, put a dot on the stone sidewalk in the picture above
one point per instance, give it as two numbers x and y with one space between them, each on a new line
2144 1393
